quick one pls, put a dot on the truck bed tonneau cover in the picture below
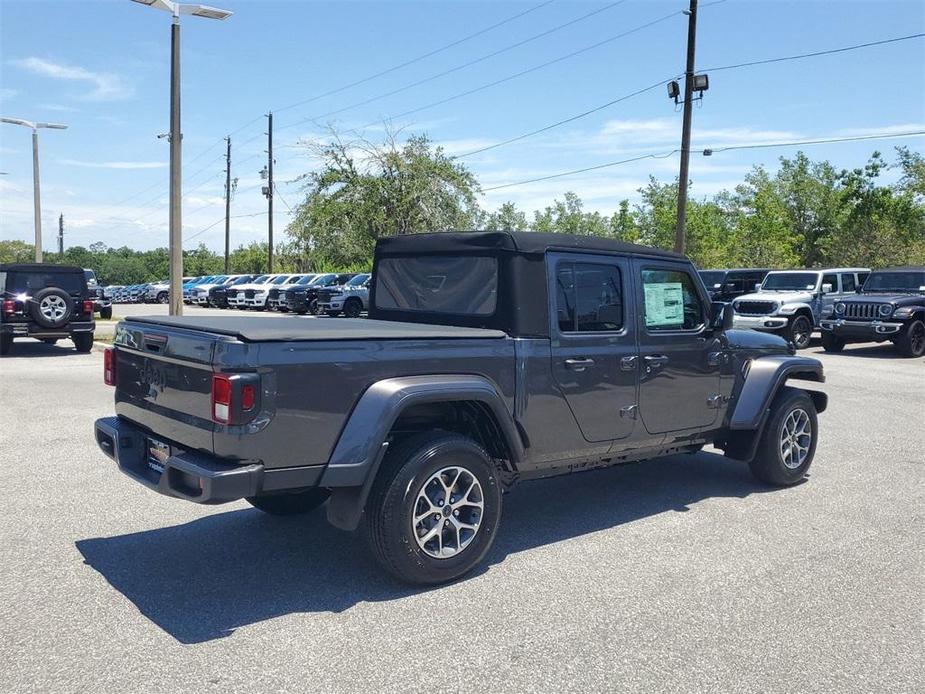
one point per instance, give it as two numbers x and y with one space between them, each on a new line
291 329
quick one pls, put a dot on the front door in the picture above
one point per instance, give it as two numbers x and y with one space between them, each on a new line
594 358
680 353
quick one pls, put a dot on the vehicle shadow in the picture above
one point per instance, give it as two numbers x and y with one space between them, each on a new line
201 580
873 350
26 349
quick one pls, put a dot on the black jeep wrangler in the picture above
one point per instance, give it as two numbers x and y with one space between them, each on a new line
890 306
46 302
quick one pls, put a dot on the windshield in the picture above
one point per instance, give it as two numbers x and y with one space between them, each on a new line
356 281
911 281
322 280
790 281
263 279
242 280
712 278
280 280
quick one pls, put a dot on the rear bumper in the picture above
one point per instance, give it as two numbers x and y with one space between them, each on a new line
193 475
31 329
861 330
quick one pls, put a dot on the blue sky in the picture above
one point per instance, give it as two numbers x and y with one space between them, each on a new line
102 68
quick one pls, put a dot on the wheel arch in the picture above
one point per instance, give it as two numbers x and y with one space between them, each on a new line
463 403
764 377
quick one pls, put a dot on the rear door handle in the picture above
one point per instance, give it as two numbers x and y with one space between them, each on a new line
575 364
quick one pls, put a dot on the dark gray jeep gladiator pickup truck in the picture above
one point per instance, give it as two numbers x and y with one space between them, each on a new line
487 358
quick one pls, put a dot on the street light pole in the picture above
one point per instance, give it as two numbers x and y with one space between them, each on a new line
176 138
684 173
36 193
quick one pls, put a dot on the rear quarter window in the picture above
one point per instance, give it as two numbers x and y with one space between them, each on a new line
460 285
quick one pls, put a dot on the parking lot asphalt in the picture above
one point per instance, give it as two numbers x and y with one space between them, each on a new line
678 575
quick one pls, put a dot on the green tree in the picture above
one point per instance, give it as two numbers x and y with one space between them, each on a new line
505 218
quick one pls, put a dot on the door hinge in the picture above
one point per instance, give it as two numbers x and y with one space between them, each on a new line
629 412
717 358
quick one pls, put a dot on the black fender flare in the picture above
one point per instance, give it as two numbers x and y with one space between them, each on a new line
362 444
765 377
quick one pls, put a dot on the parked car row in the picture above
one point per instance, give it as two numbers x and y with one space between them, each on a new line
843 304
332 293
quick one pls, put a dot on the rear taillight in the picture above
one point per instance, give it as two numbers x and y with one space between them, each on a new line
221 398
109 366
9 307
88 307
248 397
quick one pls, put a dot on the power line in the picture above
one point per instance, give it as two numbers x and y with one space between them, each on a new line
814 54
795 143
466 64
601 107
417 59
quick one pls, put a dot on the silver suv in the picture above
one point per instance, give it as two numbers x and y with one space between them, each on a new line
791 302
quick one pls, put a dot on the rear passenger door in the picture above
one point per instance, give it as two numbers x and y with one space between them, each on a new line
593 342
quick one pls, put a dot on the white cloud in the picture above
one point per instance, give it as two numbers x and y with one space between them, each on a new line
106 85
115 164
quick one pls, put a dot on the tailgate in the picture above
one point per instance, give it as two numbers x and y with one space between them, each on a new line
164 381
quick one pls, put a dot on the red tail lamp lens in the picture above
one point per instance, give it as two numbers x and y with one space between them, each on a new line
248 395
9 307
221 399
88 307
109 366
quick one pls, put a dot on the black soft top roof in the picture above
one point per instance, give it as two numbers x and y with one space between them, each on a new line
531 242
39 267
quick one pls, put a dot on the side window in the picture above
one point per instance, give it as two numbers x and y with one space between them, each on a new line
671 301
847 283
830 279
862 278
589 297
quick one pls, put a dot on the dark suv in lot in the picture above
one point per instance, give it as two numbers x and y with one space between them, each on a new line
46 302
890 306
726 285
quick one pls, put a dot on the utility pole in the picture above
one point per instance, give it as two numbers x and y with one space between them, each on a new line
227 202
61 236
270 190
684 174
175 295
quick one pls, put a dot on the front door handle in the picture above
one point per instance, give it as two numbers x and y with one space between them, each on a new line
654 362
576 364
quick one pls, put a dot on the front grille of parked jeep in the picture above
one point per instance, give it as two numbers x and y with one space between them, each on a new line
324 295
861 310
755 308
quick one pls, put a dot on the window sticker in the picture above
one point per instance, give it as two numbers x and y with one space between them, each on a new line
664 304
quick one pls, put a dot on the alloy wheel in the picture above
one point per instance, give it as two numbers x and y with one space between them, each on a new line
53 308
448 512
796 437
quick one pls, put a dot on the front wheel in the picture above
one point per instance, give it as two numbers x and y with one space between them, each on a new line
83 341
788 443
290 504
911 341
801 330
352 308
831 343
434 508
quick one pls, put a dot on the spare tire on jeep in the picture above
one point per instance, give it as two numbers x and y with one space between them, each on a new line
51 307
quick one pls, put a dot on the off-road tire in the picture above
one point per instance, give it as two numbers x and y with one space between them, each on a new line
768 464
106 312
313 307
800 331
6 343
389 513
831 343
911 341
51 293
291 504
83 342
162 298
353 308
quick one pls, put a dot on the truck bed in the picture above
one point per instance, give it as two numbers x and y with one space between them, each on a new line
293 329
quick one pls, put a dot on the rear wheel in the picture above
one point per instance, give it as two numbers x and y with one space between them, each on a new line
106 312
911 341
352 308
831 343
434 508
788 442
800 331
6 343
83 341
290 504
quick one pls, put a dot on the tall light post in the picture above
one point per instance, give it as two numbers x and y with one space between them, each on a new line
176 229
36 193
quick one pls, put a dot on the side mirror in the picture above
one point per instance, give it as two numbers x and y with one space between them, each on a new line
826 288
758 286
722 314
